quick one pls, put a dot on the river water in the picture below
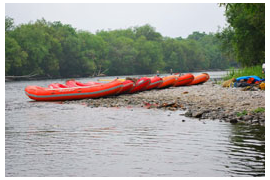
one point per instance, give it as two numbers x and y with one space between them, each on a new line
55 139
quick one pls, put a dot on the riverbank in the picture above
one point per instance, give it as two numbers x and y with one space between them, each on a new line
206 101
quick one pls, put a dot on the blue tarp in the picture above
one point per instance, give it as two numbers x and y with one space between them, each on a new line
247 77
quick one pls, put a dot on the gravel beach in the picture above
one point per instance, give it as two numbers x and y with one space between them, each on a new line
205 101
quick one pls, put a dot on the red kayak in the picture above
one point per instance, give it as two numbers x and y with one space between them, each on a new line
141 85
127 86
91 83
73 83
57 86
184 79
55 94
155 82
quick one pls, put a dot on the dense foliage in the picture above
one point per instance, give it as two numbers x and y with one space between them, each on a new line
244 38
54 49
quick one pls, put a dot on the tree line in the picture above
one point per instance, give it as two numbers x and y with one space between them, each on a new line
53 49
244 38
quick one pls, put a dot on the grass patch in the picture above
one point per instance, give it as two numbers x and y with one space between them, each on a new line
247 71
243 113
259 109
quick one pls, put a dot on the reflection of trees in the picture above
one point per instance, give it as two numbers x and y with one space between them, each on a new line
247 150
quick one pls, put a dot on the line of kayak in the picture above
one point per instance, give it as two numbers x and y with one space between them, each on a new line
77 90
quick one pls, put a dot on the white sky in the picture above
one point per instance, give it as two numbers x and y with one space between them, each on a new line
173 20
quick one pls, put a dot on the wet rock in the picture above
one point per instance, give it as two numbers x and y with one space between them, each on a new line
233 121
197 114
256 122
247 118
188 113
200 113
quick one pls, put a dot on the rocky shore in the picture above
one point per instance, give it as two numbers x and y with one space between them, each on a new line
205 101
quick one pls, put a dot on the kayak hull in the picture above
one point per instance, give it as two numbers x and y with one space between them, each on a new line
73 83
168 81
184 79
57 85
141 85
49 94
127 86
202 78
155 82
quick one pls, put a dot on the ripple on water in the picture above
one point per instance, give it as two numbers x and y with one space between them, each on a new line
52 139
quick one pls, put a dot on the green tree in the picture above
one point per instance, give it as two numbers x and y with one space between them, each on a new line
93 53
119 51
54 49
174 55
68 57
247 32
122 55
197 35
195 55
9 24
149 58
211 46
35 40
148 32
15 57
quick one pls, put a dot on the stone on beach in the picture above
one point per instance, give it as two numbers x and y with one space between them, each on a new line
205 101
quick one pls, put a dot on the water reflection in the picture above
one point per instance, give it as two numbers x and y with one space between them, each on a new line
247 153
89 143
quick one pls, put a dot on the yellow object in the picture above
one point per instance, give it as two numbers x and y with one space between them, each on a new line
262 86
229 83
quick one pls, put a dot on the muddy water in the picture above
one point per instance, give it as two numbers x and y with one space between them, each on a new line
54 139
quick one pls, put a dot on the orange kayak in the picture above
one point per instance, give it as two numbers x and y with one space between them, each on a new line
168 81
200 79
54 94
184 79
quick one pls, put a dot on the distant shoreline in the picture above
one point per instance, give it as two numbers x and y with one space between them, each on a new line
37 77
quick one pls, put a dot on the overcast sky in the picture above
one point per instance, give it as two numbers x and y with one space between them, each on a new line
171 20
